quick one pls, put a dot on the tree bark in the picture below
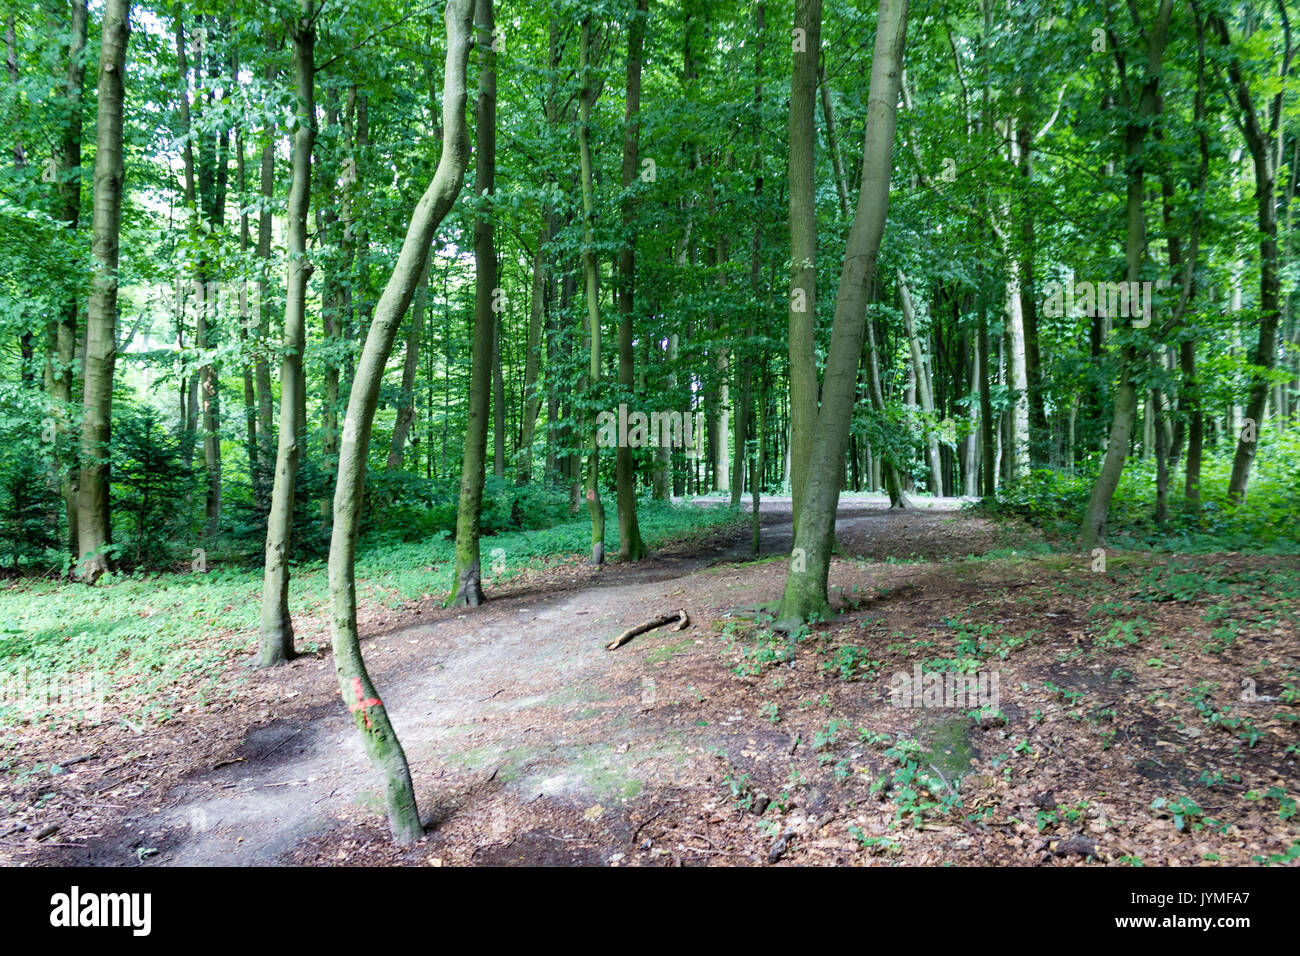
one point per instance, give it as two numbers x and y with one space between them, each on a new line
630 545
93 521
261 366
498 399
410 366
802 311
591 275
532 362
69 197
1125 402
1259 140
467 583
275 642
805 590
359 694
924 389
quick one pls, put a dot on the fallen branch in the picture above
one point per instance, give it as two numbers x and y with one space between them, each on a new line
678 616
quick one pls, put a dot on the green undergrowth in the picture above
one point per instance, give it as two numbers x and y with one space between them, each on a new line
156 641
1268 521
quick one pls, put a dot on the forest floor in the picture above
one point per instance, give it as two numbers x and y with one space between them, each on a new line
1146 713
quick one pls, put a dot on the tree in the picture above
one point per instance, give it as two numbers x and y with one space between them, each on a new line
369 713
591 275
806 581
275 643
1262 140
631 547
93 522
467 583
802 318
1135 131
69 189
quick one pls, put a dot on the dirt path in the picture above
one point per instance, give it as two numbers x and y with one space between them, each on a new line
511 710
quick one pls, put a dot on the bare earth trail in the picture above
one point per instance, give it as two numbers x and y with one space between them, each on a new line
519 726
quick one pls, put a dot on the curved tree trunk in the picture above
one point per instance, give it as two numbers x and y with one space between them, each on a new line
359 694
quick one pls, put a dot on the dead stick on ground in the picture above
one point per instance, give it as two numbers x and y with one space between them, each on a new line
678 616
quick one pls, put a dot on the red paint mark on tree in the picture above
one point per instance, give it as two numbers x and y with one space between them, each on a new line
363 702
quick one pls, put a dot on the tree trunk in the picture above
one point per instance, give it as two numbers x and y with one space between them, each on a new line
359 694
69 192
802 314
1121 429
467 583
1260 142
1037 421
275 642
1155 406
630 545
532 362
261 367
410 366
1189 402
923 386
892 481
1018 380
93 522
246 327
498 398
591 274
805 590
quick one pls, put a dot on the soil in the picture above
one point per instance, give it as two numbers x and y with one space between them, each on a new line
530 743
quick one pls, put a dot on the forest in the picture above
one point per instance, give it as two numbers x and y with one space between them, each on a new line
692 432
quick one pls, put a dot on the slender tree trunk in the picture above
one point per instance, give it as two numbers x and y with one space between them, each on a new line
832 139
744 417
69 194
359 694
532 362
892 480
591 274
1037 422
1125 402
1189 402
630 545
93 523
1259 141
467 583
802 314
410 366
276 629
264 476
247 330
924 388
806 583
498 399
760 465
1018 379
1155 405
